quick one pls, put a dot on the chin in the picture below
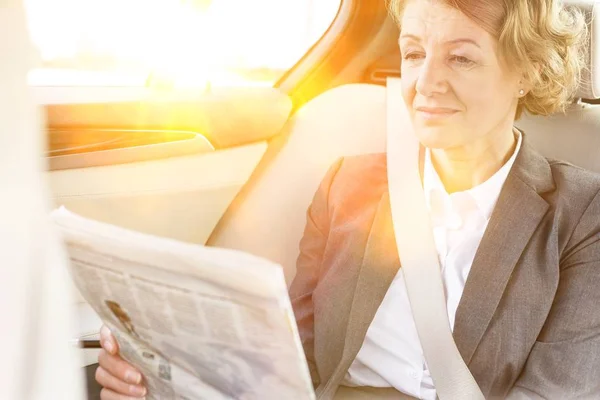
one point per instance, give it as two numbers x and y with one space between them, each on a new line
436 137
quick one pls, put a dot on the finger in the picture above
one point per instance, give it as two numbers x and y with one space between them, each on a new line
107 394
117 386
119 368
108 341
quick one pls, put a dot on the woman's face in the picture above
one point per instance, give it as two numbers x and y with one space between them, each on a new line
456 88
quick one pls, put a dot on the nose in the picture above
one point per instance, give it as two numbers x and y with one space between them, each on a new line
431 78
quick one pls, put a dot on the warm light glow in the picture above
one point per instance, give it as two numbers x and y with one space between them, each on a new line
228 42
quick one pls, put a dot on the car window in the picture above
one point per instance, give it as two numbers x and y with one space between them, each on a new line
172 42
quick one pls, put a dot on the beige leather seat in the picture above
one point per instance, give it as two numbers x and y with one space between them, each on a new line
268 217
574 136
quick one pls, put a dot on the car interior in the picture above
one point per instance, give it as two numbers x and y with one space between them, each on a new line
238 167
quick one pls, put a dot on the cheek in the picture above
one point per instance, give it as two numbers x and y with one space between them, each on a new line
472 94
484 99
408 91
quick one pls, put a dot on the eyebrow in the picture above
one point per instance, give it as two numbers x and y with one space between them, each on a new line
453 41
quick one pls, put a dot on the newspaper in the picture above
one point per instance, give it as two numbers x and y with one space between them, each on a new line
198 322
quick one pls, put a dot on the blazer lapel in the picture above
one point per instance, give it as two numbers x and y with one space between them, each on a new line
518 212
379 266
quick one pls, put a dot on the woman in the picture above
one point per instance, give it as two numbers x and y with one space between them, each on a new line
524 230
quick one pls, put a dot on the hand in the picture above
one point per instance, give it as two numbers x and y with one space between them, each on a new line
119 379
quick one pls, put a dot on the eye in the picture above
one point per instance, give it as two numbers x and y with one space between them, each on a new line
414 56
462 61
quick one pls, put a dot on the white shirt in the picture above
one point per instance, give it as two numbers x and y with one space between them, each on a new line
391 354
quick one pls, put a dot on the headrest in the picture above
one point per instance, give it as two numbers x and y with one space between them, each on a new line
590 87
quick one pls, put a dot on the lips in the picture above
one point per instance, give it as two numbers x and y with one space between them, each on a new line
436 110
433 114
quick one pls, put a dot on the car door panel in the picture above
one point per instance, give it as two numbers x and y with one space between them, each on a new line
163 164
177 197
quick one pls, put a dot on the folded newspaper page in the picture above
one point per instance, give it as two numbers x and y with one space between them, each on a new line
199 322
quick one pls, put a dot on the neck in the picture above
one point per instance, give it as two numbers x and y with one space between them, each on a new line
462 168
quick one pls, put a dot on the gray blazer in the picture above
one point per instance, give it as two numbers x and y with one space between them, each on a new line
528 323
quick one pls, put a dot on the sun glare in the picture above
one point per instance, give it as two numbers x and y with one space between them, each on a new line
191 42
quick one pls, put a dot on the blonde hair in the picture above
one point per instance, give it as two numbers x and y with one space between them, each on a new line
548 41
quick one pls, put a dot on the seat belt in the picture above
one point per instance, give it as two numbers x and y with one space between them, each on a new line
419 257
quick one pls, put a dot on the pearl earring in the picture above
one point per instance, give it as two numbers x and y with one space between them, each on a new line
521 92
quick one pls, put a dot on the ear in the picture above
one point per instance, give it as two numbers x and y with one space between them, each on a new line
524 88
526 80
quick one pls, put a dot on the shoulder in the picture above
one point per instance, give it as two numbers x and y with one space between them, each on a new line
576 202
364 166
355 182
366 172
568 177
576 188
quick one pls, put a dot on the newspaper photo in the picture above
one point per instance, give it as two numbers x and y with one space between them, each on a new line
198 322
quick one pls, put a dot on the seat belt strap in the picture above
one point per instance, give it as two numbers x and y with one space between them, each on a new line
419 257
